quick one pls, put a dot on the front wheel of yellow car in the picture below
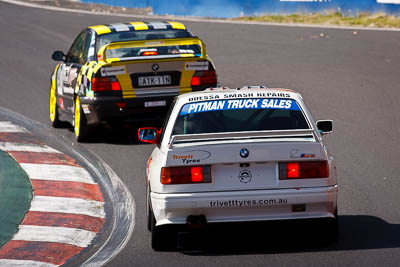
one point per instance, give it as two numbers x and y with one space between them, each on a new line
53 109
81 128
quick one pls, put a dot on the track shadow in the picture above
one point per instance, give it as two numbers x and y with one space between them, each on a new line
119 135
355 233
116 136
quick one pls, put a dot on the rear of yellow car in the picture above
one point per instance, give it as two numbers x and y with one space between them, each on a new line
136 80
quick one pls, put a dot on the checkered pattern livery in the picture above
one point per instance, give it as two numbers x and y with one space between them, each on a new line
137 26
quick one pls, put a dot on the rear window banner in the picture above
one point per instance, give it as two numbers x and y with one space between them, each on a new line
215 105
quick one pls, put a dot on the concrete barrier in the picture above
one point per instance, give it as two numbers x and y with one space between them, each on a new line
236 8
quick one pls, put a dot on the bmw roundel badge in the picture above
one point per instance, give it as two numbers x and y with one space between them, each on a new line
155 67
244 152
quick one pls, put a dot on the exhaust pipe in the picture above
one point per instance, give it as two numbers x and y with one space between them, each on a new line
196 221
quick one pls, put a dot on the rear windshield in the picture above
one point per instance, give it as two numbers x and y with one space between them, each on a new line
160 51
236 115
141 35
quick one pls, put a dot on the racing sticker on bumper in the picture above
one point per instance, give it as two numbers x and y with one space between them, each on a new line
248 202
190 157
86 109
111 71
202 65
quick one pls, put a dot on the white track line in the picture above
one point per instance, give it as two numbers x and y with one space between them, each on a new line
123 216
53 172
8 127
197 19
68 205
10 146
72 236
25 263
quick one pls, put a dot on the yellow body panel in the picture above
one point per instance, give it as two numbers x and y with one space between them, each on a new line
101 29
139 26
96 68
91 70
177 25
186 81
126 85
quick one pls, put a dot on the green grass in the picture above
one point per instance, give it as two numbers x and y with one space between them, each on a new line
331 18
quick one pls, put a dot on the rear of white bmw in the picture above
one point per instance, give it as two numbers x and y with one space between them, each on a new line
241 157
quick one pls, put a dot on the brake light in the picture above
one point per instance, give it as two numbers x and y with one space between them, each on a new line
303 170
186 175
150 53
104 84
195 80
197 174
206 77
293 170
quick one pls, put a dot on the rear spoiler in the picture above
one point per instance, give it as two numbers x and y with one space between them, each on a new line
101 55
231 136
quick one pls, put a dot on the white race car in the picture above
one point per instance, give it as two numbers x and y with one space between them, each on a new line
235 155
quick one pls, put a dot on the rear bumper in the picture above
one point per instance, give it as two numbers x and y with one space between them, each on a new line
116 110
241 206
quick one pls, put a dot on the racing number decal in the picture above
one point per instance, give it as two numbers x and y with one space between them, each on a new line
69 79
66 80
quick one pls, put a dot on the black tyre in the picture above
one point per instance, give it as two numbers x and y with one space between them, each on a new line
328 230
81 129
53 109
332 235
163 237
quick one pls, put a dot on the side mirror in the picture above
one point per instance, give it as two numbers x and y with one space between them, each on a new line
325 126
149 135
58 56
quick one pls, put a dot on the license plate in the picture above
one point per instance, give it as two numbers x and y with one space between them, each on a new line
154 80
155 104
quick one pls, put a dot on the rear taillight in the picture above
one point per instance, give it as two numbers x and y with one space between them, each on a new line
186 175
303 170
104 84
206 77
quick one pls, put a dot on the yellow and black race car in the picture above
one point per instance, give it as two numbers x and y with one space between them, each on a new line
126 72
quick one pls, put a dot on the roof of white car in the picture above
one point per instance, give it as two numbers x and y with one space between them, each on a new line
243 92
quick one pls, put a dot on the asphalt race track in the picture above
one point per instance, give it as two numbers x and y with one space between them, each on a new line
349 76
